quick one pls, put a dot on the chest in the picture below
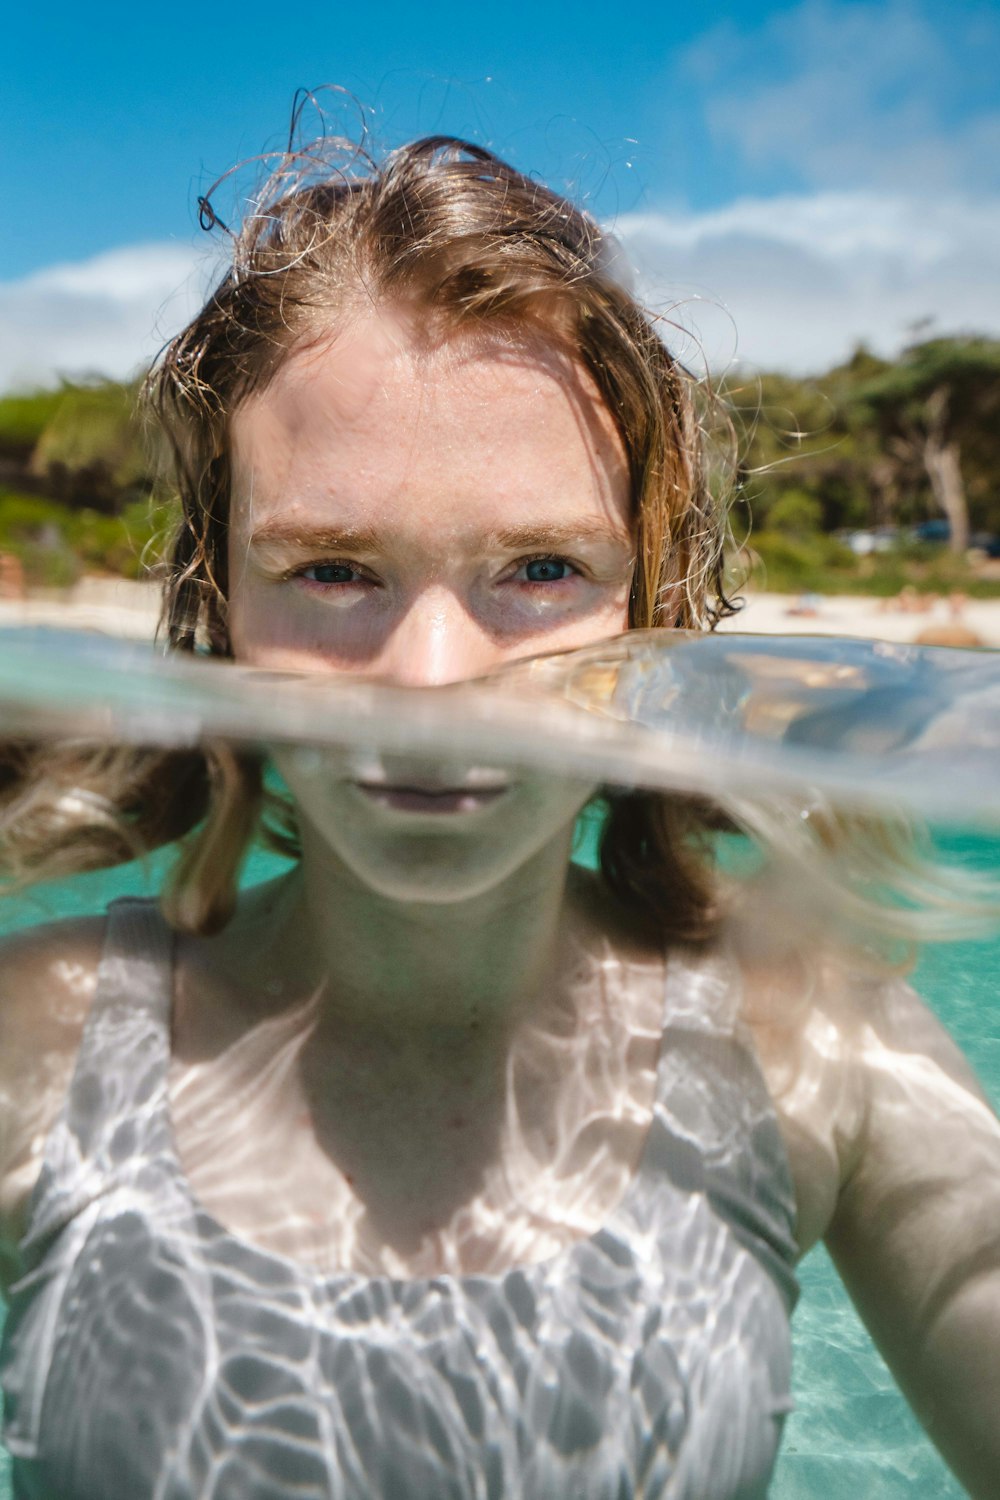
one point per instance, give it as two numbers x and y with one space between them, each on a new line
346 1162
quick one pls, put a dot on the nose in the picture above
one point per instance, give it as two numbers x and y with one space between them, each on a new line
435 642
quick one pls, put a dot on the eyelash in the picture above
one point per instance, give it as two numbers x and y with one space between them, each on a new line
525 562
304 568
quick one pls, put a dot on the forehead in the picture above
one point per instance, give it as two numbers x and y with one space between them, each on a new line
383 409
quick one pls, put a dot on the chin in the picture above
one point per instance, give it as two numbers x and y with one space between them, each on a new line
434 877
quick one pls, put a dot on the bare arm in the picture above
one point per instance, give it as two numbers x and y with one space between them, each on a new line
915 1233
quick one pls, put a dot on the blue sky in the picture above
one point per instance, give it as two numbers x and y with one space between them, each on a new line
786 178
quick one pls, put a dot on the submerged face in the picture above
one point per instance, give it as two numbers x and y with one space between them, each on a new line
420 512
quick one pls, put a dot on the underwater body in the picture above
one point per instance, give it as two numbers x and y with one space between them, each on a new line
867 725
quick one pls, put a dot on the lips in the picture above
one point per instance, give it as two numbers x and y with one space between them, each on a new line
421 797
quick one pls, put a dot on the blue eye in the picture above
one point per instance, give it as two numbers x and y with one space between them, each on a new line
546 570
332 572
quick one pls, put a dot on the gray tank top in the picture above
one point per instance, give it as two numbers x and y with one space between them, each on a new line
150 1353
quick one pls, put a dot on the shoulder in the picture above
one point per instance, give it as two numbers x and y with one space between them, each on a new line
812 1010
928 1126
857 1062
48 978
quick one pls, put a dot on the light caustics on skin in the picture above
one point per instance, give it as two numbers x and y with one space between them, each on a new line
61 989
568 1160
573 1085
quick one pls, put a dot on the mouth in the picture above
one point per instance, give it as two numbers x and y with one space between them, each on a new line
435 800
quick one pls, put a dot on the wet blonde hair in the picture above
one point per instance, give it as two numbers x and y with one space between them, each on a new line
460 236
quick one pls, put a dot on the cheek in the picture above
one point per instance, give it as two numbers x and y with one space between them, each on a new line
620 612
271 627
243 608
255 626
610 618
615 613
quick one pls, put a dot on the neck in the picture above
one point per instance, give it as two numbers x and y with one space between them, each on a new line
411 969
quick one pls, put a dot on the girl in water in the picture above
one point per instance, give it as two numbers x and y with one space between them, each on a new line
440 1166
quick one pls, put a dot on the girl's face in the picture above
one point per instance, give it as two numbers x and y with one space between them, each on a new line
420 512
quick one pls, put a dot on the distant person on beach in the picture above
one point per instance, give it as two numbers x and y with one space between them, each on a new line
955 631
441 1166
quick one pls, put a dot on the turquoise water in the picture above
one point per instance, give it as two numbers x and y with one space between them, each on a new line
851 1433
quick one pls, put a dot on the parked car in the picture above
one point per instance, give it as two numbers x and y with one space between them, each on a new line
938 530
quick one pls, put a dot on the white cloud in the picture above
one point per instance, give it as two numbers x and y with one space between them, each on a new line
881 117
791 282
106 315
901 94
794 282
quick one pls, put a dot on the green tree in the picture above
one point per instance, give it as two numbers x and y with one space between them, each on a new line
796 438
90 450
935 409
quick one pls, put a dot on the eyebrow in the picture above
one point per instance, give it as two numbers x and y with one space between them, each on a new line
278 533
555 536
321 538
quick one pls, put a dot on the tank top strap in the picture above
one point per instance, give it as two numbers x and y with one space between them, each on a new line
115 1111
704 991
717 1114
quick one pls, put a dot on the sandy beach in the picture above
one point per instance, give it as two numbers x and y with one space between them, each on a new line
871 619
115 606
110 606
